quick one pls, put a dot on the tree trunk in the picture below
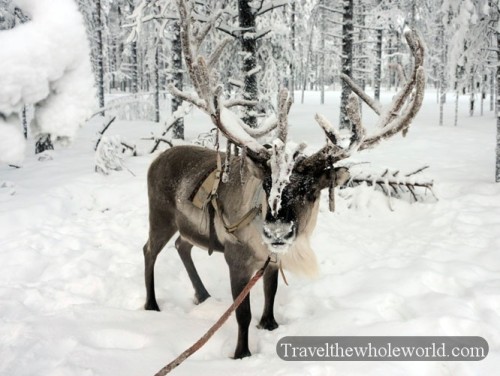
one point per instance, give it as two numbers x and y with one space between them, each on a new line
24 118
442 74
294 57
391 58
248 42
100 57
497 170
178 128
492 90
483 92
134 63
305 70
156 79
322 52
472 95
134 83
378 67
347 52
316 74
361 47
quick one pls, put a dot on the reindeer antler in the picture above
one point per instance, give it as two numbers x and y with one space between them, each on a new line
396 118
209 91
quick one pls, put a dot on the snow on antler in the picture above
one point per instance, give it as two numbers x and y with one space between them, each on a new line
282 162
284 156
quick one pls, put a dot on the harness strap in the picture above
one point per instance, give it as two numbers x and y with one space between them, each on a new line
216 207
242 222
230 228
218 171
211 229
211 208
283 274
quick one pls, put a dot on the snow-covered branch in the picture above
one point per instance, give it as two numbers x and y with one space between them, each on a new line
393 183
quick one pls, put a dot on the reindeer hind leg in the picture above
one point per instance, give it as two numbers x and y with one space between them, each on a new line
160 233
184 250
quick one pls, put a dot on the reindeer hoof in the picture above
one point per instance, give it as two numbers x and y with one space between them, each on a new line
198 299
151 306
268 324
242 354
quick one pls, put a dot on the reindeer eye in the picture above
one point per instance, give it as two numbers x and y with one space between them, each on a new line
266 232
312 195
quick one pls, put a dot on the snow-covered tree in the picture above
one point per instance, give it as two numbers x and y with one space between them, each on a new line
59 84
7 15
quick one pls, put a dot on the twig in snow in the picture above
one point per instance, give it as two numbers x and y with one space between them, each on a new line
101 133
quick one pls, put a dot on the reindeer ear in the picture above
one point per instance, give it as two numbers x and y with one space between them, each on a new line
256 169
341 175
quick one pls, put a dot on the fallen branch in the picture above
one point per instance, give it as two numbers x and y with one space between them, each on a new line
159 140
132 148
178 114
394 184
101 133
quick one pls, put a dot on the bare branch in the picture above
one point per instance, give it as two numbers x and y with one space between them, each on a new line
226 29
104 129
417 171
262 34
271 6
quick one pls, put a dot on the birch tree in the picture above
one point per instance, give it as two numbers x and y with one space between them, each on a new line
347 59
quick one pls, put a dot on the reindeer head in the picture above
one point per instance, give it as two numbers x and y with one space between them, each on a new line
294 211
291 180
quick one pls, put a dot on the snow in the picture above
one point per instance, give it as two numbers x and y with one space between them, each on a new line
109 154
71 276
12 144
60 82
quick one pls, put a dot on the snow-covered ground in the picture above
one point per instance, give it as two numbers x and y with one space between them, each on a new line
71 265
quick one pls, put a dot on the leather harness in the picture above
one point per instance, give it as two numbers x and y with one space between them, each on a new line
206 194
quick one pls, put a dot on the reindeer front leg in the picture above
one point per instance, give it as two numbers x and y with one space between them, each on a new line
240 274
243 314
270 287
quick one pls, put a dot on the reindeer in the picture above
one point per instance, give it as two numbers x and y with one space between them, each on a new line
268 209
